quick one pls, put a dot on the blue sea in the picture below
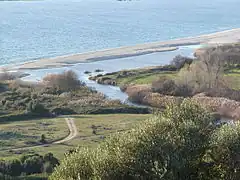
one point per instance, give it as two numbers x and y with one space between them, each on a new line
35 29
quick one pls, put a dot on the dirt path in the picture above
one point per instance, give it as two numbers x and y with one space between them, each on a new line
72 134
72 129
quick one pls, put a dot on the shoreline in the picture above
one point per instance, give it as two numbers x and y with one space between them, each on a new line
218 38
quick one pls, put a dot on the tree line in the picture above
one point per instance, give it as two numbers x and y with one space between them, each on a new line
28 164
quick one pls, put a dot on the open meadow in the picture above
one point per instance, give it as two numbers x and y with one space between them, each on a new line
29 133
91 130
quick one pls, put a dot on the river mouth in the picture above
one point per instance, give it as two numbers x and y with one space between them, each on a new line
108 66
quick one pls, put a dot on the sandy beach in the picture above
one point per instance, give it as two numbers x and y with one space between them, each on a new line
229 36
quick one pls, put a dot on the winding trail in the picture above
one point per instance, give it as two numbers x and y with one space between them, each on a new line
72 134
72 129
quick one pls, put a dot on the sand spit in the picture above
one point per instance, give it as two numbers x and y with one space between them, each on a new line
229 36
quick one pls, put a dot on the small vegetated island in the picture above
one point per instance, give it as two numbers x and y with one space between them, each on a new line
92 137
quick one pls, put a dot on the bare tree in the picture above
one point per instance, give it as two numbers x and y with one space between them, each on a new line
212 63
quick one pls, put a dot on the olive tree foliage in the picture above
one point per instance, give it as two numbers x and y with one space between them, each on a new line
225 152
170 146
180 144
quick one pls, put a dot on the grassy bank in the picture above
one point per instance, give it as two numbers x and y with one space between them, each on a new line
136 76
233 77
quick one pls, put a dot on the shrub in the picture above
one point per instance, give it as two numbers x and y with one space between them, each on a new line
5 177
43 139
224 92
36 108
137 97
168 146
62 111
117 110
50 163
180 61
164 86
224 154
14 168
50 158
47 168
169 87
67 81
183 90
33 165
27 164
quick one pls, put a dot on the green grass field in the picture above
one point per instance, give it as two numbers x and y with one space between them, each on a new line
104 126
27 133
142 77
233 77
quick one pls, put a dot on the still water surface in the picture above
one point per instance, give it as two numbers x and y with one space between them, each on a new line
47 28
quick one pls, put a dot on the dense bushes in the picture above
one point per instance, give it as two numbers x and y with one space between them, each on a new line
163 86
28 164
35 107
126 110
62 111
182 143
67 81
12 167
50 98
180 61
224 92
169 87
137 97
18 117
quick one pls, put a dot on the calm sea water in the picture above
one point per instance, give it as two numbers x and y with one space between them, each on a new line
32 30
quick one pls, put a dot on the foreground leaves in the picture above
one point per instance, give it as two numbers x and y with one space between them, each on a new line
180 144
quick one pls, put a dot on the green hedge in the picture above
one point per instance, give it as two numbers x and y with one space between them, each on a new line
21 116
125 110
